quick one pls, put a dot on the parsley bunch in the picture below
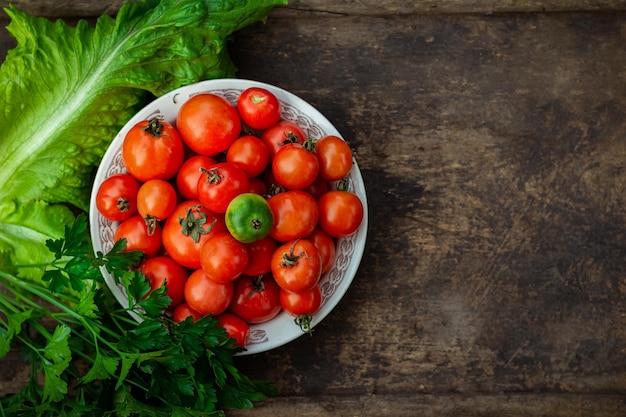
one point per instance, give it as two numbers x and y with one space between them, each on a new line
89 357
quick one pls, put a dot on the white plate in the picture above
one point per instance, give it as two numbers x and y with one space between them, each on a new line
349 251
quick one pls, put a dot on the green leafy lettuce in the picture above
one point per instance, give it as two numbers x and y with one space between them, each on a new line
67 90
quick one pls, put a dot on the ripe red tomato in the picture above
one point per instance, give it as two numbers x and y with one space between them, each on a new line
223 258
116 198
207 296
182 311
250 154
156 200
257 186
260 255
259 108
325 245
295 167
153 149
295 215
135 231
303 303
340 213
187 229
255 299
163 270
282 133
296 265
335 157
219 184
235 328
208 124
189 174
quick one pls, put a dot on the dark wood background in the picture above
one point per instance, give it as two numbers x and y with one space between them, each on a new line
492 140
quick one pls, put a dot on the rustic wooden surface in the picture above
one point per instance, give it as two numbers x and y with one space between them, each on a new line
493 147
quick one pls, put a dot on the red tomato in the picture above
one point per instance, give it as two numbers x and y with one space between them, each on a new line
294 167
296 265
259 108
208 124
207 296
325 245
182 311
335 157
189 174
153 149
223 258
318 188
257 186
303 303
255 299
219 184
295 215
163 270
340 213
135 231
116 198
156 200
282 133
235 328
260 255
250 154
187 229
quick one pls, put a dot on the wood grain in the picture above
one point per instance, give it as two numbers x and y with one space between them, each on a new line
494 155
90 8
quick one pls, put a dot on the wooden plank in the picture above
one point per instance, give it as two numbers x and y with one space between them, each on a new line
439 406
90 8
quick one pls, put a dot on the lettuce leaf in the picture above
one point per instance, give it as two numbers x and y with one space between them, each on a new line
67 90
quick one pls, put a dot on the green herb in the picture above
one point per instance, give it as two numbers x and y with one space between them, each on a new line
67 90
95 360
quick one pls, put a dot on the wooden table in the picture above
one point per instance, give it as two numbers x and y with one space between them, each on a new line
492 141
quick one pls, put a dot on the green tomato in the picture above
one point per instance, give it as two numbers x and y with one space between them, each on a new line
249 217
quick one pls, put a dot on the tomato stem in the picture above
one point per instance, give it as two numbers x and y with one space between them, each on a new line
154 127
213 175
151 223
304 322
123 204
290 259
194 226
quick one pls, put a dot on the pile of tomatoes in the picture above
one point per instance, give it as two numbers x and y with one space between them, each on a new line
233 209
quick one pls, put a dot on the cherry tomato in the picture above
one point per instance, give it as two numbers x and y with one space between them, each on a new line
255 299
296 265
260 256
116 198
335 157
223 258
208 124
282 133
295 215
318 188
219 184
235 328
257 186
153 149
182 311
163 270
189 174
340 213
249 217
259 108
207 296
325 245
156 200
135 231
303 303
295 167
187 229
250 154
